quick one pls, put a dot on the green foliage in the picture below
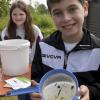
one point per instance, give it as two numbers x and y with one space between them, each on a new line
44 22
31 9
4 7
47 31
41 9
3 22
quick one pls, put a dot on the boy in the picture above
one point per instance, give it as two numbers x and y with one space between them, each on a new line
71 47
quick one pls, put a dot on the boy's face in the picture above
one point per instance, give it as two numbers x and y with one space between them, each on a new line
68 16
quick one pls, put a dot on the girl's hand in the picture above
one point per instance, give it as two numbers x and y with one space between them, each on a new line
84 93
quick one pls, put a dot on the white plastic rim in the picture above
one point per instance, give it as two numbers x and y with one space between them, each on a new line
10 44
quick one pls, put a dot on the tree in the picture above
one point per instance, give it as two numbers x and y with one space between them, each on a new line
4 7
41 8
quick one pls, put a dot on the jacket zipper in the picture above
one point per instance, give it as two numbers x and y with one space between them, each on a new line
65 59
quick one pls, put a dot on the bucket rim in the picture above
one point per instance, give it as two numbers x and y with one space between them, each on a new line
14 44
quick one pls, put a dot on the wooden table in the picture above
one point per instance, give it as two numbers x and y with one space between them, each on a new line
4 90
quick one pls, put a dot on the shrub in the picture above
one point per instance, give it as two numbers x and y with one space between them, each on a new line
47 31
3 22
45 22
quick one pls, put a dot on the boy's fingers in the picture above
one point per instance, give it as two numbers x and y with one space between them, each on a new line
84 93
83 90
34 83
36 96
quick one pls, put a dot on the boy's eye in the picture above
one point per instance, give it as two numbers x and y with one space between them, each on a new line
14 14
73 9
57 13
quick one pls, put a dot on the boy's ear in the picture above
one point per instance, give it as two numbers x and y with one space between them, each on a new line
86 5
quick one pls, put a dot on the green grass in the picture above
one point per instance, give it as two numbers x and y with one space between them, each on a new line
9 98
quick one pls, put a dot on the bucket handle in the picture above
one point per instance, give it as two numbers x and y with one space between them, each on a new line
23 91
29 90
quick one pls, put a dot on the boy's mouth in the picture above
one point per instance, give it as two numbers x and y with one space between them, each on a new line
68 26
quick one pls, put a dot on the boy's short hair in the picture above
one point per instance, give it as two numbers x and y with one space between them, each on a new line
50 2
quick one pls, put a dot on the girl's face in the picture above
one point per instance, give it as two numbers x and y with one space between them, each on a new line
18 17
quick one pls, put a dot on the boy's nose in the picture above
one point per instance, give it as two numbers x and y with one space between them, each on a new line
66 16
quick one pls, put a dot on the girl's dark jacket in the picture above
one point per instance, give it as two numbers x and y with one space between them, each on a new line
83 60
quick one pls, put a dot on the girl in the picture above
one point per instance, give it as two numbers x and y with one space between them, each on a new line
20 26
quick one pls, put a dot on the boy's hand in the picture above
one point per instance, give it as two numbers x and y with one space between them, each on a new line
84 93
35 96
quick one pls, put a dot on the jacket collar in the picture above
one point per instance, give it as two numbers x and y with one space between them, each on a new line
89 41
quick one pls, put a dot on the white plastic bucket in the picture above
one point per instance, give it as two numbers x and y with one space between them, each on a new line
14 56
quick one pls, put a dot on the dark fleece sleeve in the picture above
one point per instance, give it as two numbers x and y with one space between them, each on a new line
95 86
37 70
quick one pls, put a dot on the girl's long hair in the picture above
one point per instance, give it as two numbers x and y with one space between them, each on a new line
29 31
